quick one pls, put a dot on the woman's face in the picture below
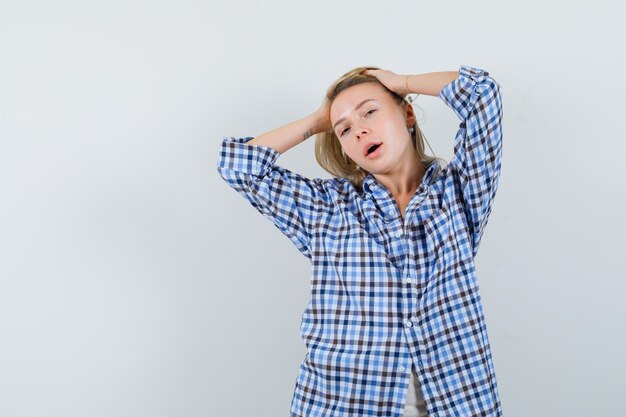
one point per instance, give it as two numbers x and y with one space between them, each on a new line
366 114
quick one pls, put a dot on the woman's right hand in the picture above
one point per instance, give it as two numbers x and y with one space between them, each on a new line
322 117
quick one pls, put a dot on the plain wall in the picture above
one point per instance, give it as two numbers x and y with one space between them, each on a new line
135 282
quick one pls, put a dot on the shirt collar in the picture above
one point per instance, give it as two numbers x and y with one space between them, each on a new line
370 183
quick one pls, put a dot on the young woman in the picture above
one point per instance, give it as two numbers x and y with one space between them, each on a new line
394 325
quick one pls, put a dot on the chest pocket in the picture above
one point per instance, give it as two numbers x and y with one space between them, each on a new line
438 230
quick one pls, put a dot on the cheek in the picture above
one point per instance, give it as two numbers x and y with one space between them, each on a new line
354 151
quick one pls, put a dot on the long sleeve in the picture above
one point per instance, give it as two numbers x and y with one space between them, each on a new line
475 98
292 202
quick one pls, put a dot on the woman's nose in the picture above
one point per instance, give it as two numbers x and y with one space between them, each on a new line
360 132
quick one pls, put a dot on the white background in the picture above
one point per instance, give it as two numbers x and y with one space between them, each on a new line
135 282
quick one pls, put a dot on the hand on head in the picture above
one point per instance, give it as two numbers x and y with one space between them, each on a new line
391 80
323 117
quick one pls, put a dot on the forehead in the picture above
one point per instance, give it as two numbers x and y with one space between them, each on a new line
345 101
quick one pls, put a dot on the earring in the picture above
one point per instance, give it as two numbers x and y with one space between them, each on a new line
411 129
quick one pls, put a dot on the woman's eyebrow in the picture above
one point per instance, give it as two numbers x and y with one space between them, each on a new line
358 106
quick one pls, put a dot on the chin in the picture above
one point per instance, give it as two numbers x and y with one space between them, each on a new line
379 168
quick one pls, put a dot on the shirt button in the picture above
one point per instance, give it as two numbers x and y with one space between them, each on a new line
408 280
421 364
391 212
399 234
402 368
409 323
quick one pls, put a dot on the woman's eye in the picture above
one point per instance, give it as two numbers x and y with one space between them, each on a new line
346 129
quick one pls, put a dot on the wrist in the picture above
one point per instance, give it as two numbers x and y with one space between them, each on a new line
407 89
318 122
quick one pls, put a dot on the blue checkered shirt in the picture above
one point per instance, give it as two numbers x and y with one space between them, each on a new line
387 294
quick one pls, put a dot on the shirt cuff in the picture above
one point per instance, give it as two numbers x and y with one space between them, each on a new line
462 93
237 155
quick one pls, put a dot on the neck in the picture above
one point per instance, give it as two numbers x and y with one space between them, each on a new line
406 177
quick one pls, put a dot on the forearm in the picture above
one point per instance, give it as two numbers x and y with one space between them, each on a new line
286 137
430 83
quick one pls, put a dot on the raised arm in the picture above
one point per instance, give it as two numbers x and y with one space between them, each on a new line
430 83
286 137
293 202
476 100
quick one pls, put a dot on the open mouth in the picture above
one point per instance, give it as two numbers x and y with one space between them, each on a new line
373 150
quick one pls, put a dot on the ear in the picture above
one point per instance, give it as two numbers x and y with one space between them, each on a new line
410 115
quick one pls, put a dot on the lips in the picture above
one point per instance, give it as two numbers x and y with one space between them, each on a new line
369 145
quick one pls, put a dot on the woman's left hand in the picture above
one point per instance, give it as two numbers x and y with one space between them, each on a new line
391 80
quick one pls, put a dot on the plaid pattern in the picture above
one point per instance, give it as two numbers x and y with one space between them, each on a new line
386 294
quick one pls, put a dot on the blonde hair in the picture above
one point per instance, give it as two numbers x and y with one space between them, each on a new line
328 150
